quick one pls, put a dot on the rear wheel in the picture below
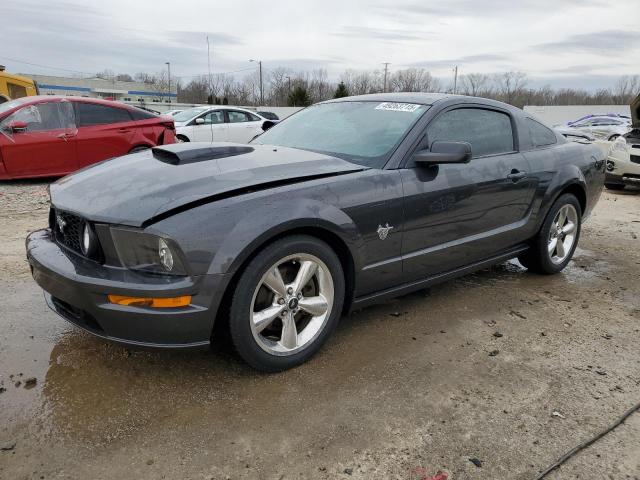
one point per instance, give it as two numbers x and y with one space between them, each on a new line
553 246
287 303
181 139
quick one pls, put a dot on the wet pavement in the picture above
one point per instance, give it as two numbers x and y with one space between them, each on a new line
473 368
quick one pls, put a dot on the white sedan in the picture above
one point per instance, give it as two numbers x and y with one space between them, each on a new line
218 123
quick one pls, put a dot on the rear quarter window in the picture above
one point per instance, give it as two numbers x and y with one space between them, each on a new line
139 114
88 114
541 136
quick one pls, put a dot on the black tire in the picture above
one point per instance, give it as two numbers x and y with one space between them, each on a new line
182 138
538 259
240 328
139 148
613 137
614 186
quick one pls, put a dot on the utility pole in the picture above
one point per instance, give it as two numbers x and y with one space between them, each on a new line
209 66
261 90
169 79
386 69
455 80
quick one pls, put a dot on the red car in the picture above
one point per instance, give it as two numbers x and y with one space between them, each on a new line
46 136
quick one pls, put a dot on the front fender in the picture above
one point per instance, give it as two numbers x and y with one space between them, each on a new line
218 237
264 222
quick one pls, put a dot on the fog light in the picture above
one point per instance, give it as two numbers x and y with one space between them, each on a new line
86 239
153 302
166 257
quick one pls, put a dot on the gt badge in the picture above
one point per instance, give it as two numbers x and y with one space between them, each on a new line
383 232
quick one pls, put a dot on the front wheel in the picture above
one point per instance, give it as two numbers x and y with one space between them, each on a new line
181 139
614 186
287 303
553 246
613 137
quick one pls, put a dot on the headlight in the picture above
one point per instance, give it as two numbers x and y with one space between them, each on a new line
147 252
166 257
620 145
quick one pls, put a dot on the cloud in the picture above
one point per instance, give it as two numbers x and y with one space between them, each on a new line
384 34
484 8
465 60
605 42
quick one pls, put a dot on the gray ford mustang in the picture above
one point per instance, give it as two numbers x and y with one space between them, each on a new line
345 203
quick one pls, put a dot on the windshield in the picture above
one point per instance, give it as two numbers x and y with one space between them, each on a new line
362 132
187 115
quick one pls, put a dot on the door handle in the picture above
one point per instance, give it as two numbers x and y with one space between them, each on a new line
124 130
516 175
65 136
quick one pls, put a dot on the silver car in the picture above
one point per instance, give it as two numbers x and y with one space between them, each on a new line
602 127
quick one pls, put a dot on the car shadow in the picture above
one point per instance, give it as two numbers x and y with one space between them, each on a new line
96 391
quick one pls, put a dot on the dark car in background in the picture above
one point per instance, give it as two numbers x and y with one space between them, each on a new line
347 203
269 115
43 136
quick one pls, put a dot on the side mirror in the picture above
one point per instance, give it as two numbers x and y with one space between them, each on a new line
199 121
444 152
267 124
17 126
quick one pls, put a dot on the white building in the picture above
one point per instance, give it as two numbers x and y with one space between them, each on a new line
102 88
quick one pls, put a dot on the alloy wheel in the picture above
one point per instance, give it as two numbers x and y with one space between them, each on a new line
291 304
562 234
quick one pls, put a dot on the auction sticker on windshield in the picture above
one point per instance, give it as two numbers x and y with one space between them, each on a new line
398 107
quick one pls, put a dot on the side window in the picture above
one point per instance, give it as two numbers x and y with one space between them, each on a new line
16 91
40 117
489 132
540 135
213 118
238 117
93 114
253 118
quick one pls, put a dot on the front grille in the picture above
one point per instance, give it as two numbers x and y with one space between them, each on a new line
635 158
67 228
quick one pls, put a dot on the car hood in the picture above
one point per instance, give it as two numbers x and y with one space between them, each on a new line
134 189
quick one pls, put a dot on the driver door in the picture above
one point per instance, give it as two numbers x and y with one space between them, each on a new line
458 214
46 146
210 127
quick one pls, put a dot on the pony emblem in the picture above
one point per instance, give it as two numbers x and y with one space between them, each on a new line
383 232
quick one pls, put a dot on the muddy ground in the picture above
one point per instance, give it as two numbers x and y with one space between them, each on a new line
405 385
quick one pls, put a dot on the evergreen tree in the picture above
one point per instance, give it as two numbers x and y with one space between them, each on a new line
299 97
341 91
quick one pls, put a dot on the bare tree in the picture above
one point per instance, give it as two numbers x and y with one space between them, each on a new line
626 88
474 83
414 80
510 84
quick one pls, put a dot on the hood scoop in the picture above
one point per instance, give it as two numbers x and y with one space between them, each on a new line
183 154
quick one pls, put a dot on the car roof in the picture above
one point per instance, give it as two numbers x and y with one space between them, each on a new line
43 98
427 99
401 97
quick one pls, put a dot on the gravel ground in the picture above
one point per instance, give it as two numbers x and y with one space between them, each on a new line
472 369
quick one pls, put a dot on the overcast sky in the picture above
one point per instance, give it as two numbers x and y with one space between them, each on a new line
573 43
